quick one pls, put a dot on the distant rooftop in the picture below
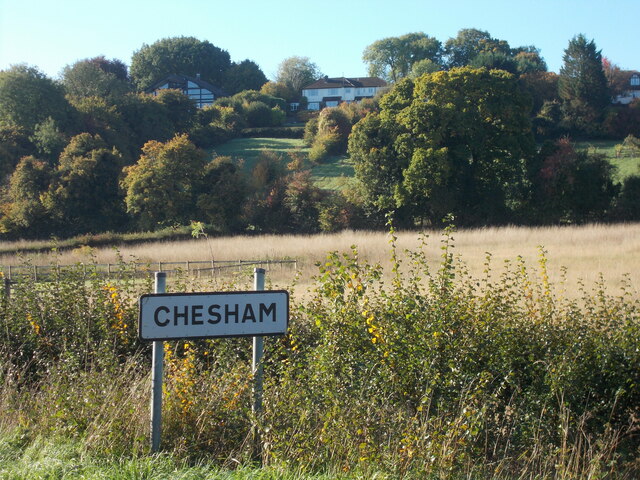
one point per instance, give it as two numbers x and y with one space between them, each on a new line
359 82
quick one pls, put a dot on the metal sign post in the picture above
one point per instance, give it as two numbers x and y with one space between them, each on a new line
156 375
258 350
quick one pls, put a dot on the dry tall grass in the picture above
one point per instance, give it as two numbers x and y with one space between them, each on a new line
585 251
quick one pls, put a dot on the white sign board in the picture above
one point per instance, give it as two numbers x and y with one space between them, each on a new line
208 315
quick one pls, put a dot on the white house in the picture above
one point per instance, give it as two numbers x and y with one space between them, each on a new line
632 88
202 93
330 92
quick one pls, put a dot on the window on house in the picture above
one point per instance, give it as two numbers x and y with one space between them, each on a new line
635 80
312 93
347 90
333 91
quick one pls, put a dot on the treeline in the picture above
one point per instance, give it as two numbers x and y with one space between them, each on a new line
487 142
66 146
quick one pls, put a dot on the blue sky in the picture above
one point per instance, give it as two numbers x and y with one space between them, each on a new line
51 34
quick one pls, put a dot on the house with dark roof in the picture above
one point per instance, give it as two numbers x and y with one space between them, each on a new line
202 93
631 88
330 92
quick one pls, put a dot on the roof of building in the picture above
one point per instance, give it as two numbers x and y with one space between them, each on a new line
346 82
182 81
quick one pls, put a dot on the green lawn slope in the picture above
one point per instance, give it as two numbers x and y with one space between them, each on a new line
332 174
626 165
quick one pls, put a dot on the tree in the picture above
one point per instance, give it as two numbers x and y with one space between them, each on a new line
28 97
528 60
114 66
628 207
582 85
255 109
296 72
83 195
392 58
180 109
245 75
280 90
302 199
96 77
145 119
332 132
542 86
462 49
377 165
449 142
23 211
617 81
49 140
423 66
182 55
572 186
97 116
495 61
161 189
223 192
15 143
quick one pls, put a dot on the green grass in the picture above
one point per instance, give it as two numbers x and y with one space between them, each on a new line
334 173
67 459
330 175
248 149
626 166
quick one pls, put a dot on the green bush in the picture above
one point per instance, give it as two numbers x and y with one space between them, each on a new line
325 145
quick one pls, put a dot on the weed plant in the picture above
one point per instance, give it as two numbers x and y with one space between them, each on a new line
426 372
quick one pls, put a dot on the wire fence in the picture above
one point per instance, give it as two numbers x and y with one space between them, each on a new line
45 273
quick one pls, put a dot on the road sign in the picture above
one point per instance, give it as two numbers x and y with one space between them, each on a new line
208 315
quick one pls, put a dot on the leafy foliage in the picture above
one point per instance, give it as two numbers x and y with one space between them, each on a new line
582 85
450 142
572 186
28 98
161 188
183 55
96 77
296 72
83 195
245 75
393 58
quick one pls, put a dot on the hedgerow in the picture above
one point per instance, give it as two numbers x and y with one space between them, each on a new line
415 372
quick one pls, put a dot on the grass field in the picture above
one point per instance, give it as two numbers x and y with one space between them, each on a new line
334 173
585 251
330 175
626 165
248 149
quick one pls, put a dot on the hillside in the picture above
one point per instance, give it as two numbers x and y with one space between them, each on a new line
329 175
